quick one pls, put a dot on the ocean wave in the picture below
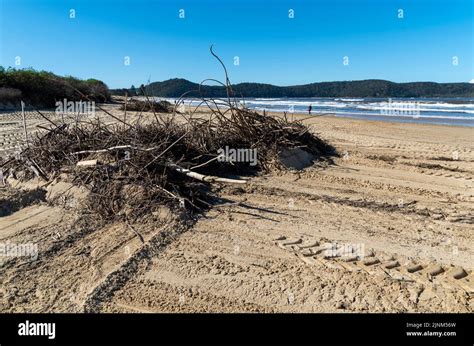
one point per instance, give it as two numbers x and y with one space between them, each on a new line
404 108
392 108
421 104
376 114
349 100
298 103
436 107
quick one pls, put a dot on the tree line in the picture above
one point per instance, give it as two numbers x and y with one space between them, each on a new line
43 89
364 88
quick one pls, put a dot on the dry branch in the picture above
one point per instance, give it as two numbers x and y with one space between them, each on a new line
206 178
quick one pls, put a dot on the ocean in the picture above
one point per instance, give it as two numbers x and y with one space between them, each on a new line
446 111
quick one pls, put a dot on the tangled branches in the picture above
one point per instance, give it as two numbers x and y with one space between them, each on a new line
130 170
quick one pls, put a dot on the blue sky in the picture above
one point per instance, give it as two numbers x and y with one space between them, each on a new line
271 47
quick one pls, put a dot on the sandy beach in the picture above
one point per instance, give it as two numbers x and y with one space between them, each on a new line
401 193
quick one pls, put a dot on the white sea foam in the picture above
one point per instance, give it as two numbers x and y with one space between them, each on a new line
401 108
349 100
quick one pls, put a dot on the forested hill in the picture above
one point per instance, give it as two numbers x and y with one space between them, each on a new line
364 88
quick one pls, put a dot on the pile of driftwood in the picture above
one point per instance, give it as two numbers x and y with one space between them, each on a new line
174 160
147 106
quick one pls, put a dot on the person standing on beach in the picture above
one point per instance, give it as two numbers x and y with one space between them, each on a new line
309 109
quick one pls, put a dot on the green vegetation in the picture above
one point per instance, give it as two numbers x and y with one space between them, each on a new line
43 89
364 88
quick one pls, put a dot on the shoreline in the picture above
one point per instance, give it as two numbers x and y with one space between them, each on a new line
412 112
378 121
401 119
381 119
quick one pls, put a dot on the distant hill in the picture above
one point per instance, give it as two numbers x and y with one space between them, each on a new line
363 88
